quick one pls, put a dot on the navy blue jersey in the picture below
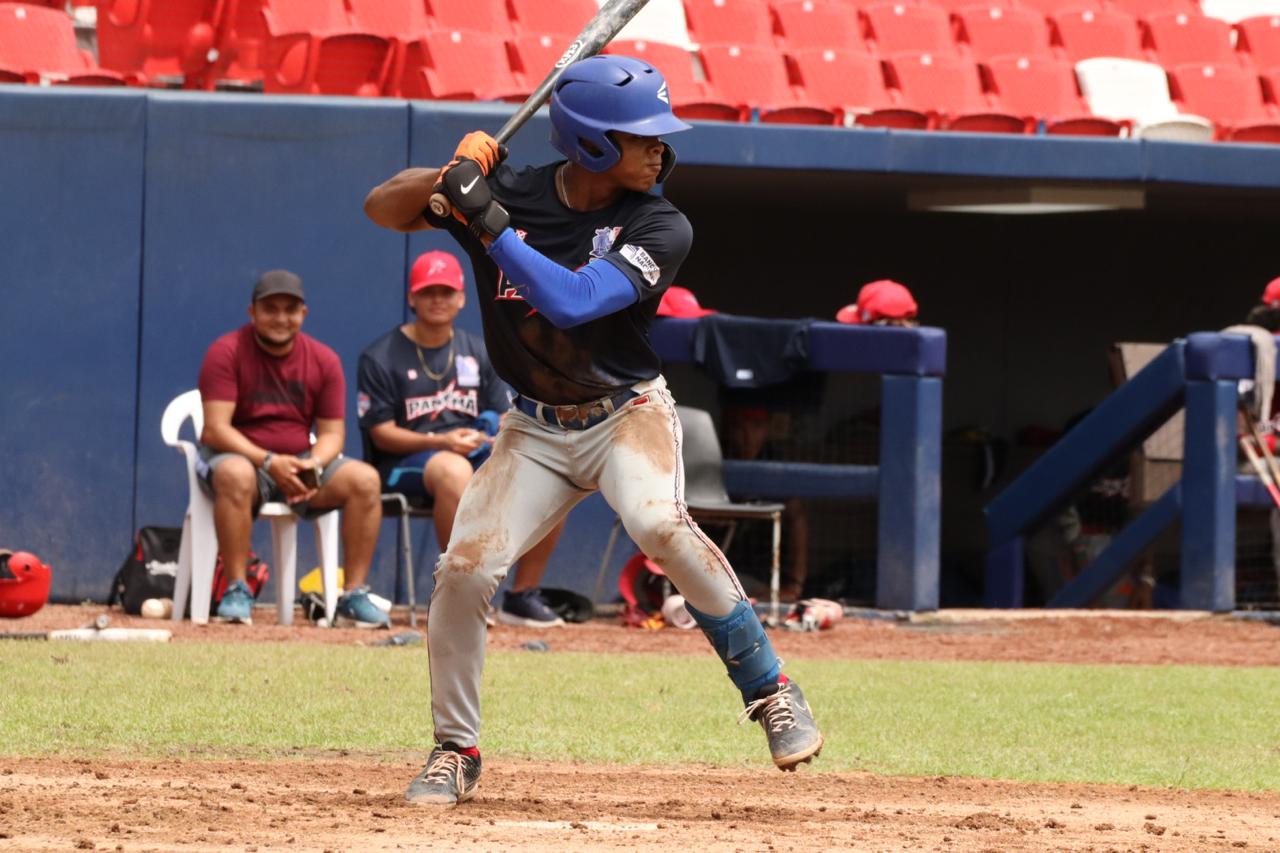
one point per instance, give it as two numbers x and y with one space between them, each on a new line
392 385
643 235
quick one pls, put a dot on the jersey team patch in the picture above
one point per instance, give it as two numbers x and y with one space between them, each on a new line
468 371
640 259
362 404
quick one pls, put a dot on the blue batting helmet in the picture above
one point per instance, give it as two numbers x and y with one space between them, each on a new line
604 93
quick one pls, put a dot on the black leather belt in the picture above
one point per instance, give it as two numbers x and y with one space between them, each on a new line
581 416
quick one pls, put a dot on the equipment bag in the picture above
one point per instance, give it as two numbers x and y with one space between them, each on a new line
255 577
149 570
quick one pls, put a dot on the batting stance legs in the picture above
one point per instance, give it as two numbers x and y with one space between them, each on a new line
537 473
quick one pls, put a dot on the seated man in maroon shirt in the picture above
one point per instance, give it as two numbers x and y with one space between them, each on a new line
265 387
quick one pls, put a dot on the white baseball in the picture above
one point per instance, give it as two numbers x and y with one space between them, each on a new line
157 608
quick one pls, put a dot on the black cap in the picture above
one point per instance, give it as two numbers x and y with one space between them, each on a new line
278 281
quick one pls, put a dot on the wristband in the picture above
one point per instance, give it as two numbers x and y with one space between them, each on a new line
266 462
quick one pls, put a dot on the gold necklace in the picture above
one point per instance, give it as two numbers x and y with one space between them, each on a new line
564 194
448 362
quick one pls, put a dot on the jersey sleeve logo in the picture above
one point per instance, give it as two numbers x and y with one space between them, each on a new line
640 259
508 291
602 242
362 404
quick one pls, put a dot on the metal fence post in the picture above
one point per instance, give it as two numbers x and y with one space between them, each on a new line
1209 497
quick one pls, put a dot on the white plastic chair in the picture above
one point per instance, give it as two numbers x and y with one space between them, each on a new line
199 551
1121 89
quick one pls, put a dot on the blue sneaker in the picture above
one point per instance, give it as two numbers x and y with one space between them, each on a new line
355 610
527 609
236 604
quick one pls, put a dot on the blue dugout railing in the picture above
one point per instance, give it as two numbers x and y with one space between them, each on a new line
907 482
1199 372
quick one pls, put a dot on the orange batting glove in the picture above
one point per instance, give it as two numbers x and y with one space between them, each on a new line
483 148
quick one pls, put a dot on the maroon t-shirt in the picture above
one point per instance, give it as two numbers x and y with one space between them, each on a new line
277 399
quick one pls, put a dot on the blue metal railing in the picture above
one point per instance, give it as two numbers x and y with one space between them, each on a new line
1201 373
907 482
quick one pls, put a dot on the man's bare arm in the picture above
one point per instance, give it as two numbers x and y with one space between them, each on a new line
220 435
398 203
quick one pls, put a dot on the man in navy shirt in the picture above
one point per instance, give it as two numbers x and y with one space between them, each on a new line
429 403
571 260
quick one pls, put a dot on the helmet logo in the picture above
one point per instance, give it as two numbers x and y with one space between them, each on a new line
570 54
663 96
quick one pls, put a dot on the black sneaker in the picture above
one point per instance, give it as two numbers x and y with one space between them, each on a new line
788 723
528 610
449 777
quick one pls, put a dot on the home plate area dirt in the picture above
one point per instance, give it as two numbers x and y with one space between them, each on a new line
354 802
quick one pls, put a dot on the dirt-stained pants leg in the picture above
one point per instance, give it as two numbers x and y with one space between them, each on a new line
512 502
642 478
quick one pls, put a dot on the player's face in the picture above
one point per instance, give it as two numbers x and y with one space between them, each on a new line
641 161
277 319
436 305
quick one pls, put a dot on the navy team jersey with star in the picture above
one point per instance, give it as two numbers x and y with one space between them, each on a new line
392 386
643 235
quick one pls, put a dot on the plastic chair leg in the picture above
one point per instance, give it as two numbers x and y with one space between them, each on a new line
327 547
204 557
182 580
604 561
284 548
775 569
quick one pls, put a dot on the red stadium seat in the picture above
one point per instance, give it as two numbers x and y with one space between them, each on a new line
854 83
403 24
1147 8
1046 88
757 76
991 31
1049 8
1230 97
1086 33
903 28
242 44
689 97
1259 38
312 48
742 22
481 16
536 54
459 65
953 6
951 86
38 44
172 42
819 23
1176 38
563 17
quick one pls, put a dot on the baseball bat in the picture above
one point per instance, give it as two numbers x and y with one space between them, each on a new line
598 32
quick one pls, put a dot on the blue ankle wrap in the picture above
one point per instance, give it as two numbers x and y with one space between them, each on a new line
740 641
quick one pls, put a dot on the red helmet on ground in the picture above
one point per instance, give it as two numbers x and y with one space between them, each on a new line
1271 294
24 584
680 302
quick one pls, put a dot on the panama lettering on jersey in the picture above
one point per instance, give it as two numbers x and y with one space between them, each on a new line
597 358
447 399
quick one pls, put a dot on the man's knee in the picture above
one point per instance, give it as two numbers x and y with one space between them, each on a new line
235 480
654 526
446 474
363 485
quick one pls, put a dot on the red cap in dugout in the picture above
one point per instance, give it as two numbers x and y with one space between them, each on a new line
879 300
435 268
1271 295
680 302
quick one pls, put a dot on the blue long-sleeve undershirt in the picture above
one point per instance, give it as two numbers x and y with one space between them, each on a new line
564 297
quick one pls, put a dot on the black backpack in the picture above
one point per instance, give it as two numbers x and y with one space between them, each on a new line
150 569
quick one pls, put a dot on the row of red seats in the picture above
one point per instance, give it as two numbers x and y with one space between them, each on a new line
992 28
38 44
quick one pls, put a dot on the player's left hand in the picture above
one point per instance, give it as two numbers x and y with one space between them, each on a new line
482 148
473 205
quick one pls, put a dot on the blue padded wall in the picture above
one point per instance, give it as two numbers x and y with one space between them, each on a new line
241 184
71 213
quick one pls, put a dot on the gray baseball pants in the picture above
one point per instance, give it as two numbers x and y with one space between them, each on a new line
537 473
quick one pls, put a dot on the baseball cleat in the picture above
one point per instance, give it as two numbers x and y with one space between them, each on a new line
788 723
527 610
449 778
236 604
356 610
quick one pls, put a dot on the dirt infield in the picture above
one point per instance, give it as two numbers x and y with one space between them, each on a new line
353 802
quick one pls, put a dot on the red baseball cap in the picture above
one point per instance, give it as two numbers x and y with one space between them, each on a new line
435 268
879 300
680 302
1271 296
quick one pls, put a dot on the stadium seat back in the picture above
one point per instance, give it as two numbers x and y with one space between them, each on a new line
1121 88
1259 37
1226 94
842 78
944 83
564 17
318 17
467 66
819 24
905 28
171 39
993 30
1086 33
480 16
1179 39
1049 8
404 20
758 77
741 22
36 41
536 54
1146 8
1037 85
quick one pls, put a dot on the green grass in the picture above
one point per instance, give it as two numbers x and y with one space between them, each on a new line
1185 726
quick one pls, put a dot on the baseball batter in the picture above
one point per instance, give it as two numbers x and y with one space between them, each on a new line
571 260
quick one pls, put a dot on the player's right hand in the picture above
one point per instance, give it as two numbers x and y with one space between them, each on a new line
463 441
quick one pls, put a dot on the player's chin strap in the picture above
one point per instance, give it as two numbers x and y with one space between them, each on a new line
740 641
668 162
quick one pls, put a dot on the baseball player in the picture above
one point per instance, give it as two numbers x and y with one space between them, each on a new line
571 260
